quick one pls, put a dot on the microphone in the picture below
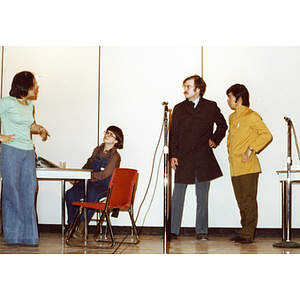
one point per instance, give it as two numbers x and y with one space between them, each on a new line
164 103
287 119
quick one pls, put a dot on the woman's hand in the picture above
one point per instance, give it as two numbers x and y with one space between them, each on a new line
43 133
7 138
40 130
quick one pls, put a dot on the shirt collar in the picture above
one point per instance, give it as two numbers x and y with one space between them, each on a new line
240 110
195 102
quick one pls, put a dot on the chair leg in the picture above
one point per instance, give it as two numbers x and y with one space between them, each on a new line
110 229
134 227
105 215
99 225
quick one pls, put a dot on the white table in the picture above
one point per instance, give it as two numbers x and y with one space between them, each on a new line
63 175
295 175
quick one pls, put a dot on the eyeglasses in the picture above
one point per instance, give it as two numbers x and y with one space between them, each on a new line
109 133
188 86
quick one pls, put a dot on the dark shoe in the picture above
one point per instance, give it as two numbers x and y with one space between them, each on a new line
202 237
170 237
173 236
234 239
243 241
15 245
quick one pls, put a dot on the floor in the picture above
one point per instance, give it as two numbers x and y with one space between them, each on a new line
52 243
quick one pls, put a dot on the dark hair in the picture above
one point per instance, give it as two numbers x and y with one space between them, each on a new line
119 136
21 84
239 90
198 82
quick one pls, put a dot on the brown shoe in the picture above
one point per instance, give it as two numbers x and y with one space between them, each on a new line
234 239
243 241
78 234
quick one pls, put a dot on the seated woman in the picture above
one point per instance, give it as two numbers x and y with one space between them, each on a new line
104 160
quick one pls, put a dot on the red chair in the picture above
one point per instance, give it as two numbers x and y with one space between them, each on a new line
120 196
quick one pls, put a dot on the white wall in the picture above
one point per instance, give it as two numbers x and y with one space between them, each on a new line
67 107
272 76
134 83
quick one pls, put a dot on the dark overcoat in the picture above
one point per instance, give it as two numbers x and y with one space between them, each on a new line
191 129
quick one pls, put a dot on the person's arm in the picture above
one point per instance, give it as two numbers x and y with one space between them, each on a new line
40 130
220 131
264 137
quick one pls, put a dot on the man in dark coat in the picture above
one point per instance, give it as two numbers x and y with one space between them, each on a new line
192 138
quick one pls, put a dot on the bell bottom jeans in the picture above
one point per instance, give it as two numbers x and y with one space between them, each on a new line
177 203
18 196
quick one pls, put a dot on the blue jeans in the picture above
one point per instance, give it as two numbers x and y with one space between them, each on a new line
96 191
177 203
18 196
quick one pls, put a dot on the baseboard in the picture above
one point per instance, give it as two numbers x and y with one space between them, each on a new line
185 231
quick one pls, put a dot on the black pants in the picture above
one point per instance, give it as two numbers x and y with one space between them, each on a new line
245 190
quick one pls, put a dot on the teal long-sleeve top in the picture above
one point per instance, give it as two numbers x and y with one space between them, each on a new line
17 119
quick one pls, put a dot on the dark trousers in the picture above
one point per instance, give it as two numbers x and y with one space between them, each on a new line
245 190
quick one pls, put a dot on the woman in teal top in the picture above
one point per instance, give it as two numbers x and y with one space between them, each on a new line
18 161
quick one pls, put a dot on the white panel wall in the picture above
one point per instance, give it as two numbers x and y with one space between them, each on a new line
272 76
135 81
67 107
143 77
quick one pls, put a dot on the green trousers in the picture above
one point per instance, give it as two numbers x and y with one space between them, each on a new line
245 190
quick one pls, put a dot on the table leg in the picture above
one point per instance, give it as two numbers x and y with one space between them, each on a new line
63 190
85 211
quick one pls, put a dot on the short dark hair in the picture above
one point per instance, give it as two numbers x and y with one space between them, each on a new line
21 84
119 135
239 90
198 82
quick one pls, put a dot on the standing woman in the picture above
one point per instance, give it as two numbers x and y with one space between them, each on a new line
18 161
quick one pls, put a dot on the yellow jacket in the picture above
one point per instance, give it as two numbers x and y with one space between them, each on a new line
246 129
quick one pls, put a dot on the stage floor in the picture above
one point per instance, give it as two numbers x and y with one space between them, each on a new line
52 243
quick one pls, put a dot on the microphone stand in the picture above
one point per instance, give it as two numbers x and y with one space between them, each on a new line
287 197
166 176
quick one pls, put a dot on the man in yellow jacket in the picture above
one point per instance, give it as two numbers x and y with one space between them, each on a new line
248 135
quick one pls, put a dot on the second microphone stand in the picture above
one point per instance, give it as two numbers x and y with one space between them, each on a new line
287 197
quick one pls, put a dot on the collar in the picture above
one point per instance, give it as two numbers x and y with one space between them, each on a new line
240 110
195 102
111 151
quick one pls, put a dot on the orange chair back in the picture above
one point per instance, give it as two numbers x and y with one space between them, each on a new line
121 188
